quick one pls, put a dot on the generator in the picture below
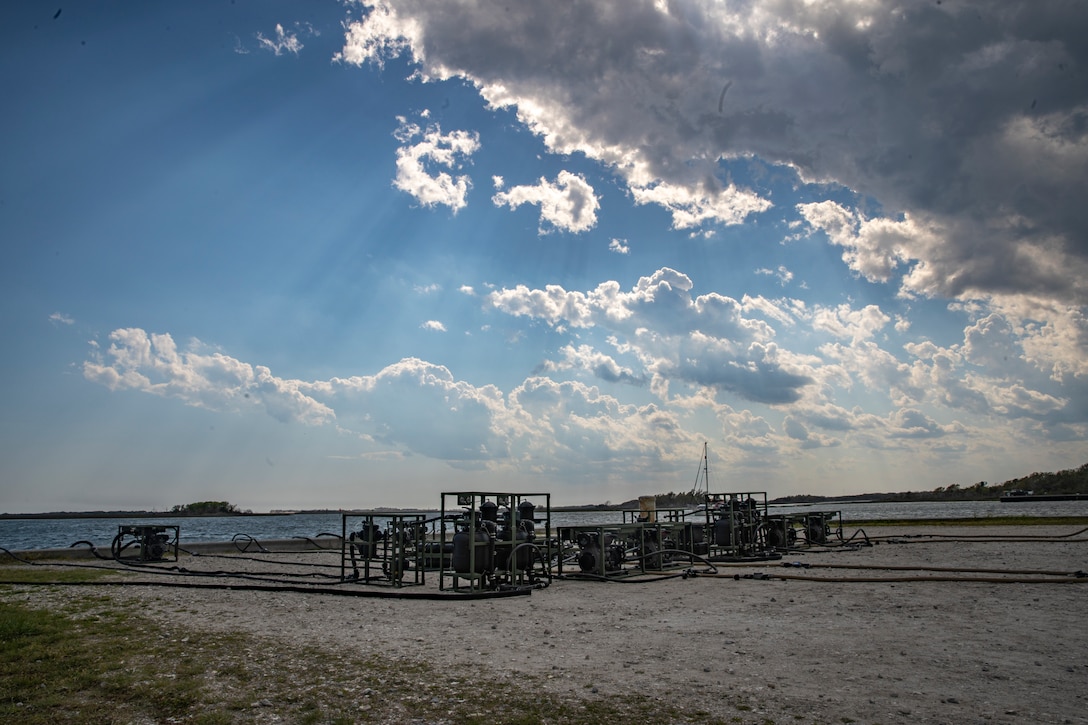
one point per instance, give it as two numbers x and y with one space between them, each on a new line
145 542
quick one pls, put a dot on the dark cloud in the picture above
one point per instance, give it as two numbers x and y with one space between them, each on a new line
970 116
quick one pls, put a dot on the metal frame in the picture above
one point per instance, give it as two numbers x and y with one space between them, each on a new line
143 536
734 524
493 539
391 554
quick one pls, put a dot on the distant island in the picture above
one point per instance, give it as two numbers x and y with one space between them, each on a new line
200 508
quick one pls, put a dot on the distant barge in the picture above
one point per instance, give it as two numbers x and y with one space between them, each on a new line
1019 496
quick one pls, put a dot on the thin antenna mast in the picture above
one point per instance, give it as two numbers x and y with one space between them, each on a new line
703 474
706 466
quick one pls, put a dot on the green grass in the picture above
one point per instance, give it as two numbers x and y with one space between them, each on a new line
95 662
23 574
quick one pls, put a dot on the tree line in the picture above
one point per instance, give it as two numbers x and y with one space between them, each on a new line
206 508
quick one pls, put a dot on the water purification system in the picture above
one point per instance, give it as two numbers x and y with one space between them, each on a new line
648 540
803 529
736 525
143 542
497 540
384 548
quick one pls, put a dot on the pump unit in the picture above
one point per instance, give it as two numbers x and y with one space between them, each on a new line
145 542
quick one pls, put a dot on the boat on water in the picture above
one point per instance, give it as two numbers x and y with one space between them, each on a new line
1019 496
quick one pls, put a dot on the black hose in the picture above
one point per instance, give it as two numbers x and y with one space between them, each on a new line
93 549
249 540
900 579
942 569
365 593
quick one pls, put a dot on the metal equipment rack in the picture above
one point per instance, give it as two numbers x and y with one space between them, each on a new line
735 525
495 540
802 529
632 547
155 542
383 547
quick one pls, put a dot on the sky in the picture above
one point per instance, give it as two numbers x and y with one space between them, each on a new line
358 254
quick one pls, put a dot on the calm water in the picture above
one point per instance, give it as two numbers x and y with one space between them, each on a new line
22 535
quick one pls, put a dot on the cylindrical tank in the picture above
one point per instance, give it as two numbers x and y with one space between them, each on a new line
489 511
816 530
464 543
506 542
367 539
647 509
723 531
527 516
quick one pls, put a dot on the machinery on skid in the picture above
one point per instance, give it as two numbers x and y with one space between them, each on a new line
146 542
648 540
739 525
388 548
495 540
731 526
807 528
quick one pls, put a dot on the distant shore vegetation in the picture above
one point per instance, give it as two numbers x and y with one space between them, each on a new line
1061 483
207 508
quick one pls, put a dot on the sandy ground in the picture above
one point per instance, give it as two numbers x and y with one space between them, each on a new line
978 648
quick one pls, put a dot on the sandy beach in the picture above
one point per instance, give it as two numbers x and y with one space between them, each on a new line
937 625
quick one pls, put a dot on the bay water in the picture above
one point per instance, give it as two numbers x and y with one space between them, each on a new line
41 533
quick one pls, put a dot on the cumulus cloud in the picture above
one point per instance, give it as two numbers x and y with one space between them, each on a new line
152 363
699 341
568 204
426 148
59 318
422 407
619 246
433 325
965 121
413 406
844 321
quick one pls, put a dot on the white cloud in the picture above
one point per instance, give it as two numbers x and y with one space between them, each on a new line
61 318
703 341
283 41
845 322
784 275
619 246
569 204
153 364
434 149
434 326
694 205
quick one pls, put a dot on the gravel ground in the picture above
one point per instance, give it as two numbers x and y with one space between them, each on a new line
961 646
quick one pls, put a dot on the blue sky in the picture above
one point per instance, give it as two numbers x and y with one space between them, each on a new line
357 254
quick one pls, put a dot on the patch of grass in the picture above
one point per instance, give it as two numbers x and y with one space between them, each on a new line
96 662
22 574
